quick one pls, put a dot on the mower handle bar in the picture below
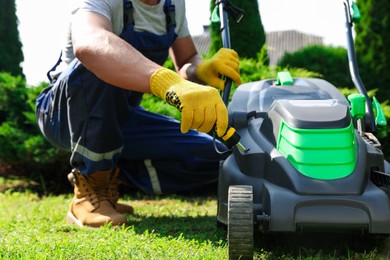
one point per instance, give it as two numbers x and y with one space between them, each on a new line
353 68
224 6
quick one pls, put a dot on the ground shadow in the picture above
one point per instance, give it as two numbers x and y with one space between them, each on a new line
200 228
275 246
337 245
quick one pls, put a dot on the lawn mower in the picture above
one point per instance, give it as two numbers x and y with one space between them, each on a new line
311 159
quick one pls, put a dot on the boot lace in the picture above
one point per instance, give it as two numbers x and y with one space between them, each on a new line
114 188
97 191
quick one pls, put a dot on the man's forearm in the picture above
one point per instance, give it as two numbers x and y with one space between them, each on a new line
108 56
116 62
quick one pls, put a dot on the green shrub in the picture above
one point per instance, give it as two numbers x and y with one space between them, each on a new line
13 96
331 62
15 127
254 70
23 149
21 141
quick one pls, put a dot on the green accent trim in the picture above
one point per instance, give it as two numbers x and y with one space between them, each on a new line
356 15
324 154
284 78
358 105
380 119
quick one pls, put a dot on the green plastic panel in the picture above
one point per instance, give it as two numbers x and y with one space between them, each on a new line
325 154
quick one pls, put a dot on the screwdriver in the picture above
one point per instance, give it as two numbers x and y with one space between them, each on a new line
231 137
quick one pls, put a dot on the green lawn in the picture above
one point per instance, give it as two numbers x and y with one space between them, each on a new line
163 227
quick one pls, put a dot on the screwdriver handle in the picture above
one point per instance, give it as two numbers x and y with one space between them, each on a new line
231 137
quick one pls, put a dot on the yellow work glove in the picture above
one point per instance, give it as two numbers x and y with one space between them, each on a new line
201 106
224 63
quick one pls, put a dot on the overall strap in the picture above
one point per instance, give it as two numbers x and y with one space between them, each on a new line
128 18
54 68
169 11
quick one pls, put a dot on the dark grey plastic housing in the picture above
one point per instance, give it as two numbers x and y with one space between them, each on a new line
284 200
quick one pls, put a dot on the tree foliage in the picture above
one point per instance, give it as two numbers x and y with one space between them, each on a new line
373 45
248 36
11 54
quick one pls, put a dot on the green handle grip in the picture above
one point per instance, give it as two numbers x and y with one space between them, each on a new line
358 105
380 119
356 15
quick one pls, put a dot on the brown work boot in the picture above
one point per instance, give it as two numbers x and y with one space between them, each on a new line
91 205
113 192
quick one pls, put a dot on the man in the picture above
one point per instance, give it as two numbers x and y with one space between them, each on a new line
113 54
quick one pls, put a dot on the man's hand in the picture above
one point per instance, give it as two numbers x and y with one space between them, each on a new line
201 106
224 63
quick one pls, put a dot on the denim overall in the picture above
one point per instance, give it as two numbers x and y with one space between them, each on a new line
104 126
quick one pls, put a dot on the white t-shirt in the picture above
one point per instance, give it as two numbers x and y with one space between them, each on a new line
146 18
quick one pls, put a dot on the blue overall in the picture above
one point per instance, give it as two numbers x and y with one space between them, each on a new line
103 126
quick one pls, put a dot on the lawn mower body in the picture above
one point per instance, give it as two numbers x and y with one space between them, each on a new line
308 158
310 168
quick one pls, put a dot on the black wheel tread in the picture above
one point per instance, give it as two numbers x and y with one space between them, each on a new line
240 222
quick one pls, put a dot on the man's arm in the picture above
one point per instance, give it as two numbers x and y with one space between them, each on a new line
186 58
116 62
107 55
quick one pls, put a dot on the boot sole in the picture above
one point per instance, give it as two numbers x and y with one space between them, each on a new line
71 219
